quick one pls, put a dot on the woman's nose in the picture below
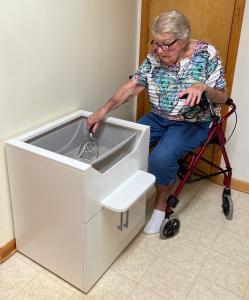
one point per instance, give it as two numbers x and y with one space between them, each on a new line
160 50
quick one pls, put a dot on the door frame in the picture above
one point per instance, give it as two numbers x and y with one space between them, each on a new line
238 13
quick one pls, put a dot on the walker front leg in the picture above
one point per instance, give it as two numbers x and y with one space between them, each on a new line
170 226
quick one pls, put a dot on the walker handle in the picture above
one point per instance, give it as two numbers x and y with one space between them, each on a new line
204 103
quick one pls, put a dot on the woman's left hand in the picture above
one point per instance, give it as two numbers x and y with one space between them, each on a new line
194 93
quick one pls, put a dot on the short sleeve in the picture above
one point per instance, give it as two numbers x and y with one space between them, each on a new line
141 75
215 71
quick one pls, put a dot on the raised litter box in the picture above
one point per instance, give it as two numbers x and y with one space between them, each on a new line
71 216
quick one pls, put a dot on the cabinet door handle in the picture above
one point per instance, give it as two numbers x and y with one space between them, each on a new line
127 219
120 226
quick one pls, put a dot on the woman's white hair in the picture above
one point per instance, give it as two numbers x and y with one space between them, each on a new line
172 22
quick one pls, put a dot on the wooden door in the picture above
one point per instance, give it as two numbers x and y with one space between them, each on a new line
217 22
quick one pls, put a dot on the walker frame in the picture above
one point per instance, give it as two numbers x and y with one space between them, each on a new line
171 224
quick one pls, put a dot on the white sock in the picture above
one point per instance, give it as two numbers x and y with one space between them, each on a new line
153 226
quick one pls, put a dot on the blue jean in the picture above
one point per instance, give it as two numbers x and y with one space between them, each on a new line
172 139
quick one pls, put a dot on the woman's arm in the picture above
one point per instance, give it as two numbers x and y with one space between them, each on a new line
124 93
217 95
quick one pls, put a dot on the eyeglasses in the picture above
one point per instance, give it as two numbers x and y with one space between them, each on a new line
164 47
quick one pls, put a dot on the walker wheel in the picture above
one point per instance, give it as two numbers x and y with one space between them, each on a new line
227 206
169 228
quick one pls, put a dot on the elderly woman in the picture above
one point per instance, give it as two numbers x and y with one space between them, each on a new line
177 66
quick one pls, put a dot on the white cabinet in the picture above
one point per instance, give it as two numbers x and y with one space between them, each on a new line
103 241
66 211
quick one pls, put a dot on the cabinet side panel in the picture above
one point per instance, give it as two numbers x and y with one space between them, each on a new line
47 203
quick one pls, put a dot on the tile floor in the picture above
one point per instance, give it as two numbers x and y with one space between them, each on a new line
207 260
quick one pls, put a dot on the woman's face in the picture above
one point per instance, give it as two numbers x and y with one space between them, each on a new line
168 47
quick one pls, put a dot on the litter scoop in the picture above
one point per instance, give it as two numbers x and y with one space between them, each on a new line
89 148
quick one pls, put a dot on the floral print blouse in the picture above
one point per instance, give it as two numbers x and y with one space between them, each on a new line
164 82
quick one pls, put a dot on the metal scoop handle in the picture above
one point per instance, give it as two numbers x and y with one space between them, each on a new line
83 143
91 130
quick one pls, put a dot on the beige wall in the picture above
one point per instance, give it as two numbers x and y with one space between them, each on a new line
58 56
238 147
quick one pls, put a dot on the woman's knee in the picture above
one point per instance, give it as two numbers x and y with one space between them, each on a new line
162 162
164 169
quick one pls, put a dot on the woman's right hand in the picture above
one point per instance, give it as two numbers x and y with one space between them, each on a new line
95 119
